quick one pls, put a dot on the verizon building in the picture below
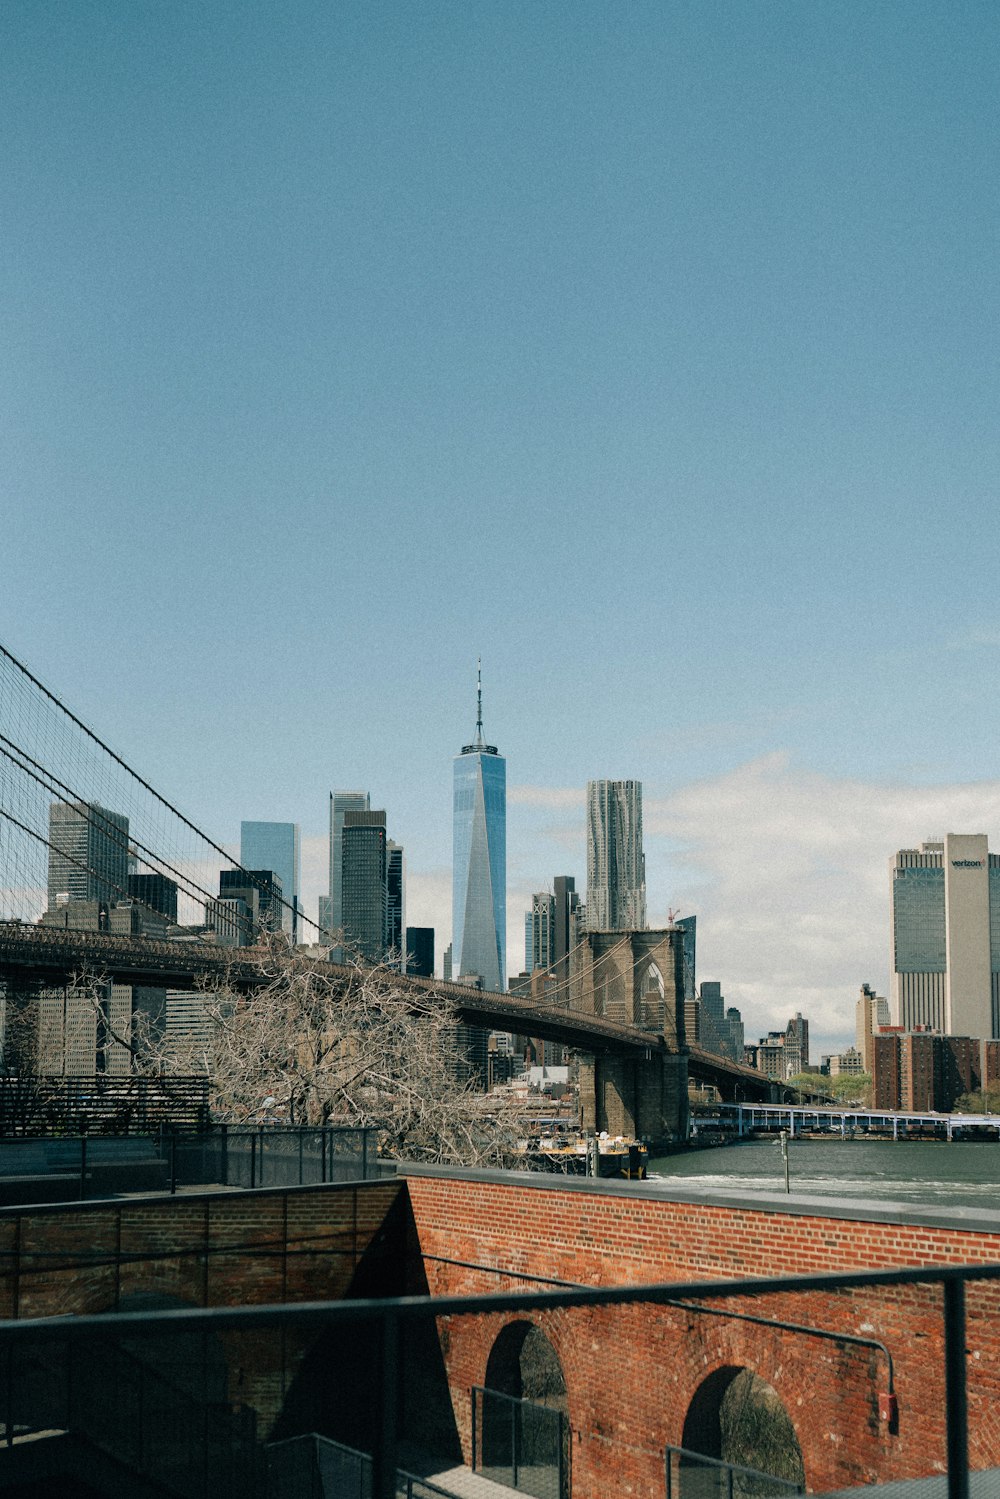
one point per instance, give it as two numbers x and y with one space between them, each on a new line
946 937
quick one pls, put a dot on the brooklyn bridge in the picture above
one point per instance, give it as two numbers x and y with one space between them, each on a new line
622 1010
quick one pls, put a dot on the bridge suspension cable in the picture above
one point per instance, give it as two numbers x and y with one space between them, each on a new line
48 757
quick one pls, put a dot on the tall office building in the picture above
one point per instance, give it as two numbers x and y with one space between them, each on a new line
364 886
616 865
689 929
870 1013
277 846
155 891
565 922
395 903
551 928
539 933
946 937
420 951
77 1029
734 1031
331 907
479 869
262 892
796 1045
88 853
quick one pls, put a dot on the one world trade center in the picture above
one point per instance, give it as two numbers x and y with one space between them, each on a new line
479 868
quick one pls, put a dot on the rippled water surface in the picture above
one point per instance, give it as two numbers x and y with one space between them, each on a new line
929 1172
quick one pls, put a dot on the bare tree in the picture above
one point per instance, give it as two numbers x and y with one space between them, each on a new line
306 1044
19 1083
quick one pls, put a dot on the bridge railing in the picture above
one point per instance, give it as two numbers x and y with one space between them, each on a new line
103 1104
376 1366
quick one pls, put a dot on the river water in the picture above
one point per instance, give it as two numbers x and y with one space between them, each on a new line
933 1173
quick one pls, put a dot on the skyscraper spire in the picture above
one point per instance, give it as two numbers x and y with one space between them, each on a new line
479 702
479 745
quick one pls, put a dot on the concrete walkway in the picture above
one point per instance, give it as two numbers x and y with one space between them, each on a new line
458 1481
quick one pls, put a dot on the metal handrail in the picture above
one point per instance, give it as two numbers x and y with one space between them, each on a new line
797 1327
394 1311
517 1405
700 1458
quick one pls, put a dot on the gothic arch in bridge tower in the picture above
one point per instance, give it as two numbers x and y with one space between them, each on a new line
736 1417
651 998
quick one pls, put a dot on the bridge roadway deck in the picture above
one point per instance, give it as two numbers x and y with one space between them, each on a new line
48 954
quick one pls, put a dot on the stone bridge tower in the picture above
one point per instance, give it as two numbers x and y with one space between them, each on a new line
637 978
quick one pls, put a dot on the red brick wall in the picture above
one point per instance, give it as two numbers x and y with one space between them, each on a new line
237 1248
232 1249
631 1376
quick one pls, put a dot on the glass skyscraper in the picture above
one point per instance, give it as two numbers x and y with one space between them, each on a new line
331 907
276 846
395 920
364 884
88 853
479 869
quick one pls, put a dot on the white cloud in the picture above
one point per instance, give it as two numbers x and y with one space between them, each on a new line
787 872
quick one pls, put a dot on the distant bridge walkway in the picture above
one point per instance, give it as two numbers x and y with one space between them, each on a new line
803 1119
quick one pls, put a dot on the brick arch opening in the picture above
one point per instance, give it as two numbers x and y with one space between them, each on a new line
736 1417
524 1365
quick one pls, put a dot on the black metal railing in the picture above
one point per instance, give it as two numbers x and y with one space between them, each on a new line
36 1107
52 1368
520 1443
272 1155
712 1478
315 1467
65 1168
105 1390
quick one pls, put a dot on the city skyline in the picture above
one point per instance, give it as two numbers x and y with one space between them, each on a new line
486 309
758 1016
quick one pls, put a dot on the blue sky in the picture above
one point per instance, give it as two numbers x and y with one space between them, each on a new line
648 350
